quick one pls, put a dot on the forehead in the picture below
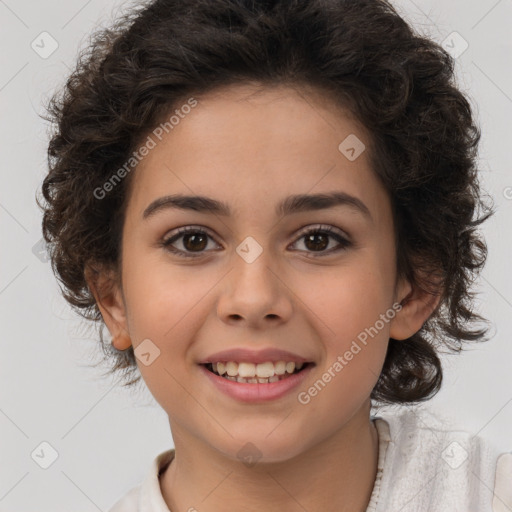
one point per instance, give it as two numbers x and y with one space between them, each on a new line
245 143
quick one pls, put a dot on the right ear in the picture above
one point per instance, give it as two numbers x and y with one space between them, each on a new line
106 289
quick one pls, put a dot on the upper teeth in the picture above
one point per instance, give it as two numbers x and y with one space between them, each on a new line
263 370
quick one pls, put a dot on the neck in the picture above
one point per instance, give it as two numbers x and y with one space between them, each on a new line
336 474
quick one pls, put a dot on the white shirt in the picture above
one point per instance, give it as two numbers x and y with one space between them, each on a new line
425 465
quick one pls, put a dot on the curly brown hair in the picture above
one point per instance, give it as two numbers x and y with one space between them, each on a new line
398 84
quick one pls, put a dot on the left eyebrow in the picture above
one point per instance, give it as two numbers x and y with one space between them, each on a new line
290 205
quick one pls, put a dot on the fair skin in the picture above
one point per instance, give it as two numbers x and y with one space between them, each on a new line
251 153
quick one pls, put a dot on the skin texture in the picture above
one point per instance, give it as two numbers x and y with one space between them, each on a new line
251 151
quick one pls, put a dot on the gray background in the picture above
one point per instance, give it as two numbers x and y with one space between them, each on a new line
106 437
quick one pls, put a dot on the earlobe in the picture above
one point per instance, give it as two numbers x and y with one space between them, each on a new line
417 306
106 291
122 341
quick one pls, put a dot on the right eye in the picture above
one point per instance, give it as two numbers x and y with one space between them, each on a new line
191 238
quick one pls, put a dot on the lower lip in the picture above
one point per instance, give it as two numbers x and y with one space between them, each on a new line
257 392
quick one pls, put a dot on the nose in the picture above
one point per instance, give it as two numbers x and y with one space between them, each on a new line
255 293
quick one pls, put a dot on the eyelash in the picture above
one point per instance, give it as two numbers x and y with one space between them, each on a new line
326 230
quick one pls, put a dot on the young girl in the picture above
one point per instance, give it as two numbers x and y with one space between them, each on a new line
272 207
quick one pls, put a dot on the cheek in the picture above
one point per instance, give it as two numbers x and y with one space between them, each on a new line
355 345
167 307
349 299
353 311
161 296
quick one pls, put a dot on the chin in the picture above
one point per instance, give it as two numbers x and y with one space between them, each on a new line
261 448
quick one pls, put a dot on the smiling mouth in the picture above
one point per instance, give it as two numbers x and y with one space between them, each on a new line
255 379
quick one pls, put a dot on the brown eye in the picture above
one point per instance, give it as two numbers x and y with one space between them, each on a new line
195 242
192 240
317 240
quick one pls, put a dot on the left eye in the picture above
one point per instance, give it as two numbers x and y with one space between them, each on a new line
318 239
195 240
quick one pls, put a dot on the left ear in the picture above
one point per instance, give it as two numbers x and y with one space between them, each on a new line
417 306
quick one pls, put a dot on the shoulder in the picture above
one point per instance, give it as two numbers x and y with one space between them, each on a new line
502 500
420 428
432 460
147 497
128 503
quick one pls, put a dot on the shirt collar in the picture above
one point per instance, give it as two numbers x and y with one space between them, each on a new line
150 496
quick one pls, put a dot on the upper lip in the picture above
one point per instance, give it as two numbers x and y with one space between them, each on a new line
254 356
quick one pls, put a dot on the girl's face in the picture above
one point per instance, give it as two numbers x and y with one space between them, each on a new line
260 276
